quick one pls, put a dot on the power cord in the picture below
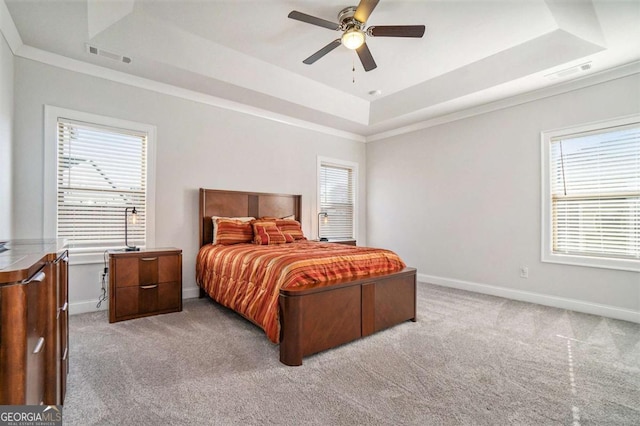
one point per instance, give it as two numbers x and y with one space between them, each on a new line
103 289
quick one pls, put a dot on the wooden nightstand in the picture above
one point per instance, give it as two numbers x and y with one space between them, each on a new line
145 282
349 242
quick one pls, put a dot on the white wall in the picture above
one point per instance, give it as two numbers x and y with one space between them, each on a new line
198 145
468 215
6 138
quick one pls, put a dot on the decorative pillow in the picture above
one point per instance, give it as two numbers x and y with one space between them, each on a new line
230 231
291 217
265 232
288 237
292 227
213 219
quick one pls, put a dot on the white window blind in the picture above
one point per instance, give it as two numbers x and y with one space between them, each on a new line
337 200
100 172
595 193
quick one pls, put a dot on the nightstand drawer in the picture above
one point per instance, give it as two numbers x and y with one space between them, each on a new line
144 283
125 272
143 270
348 242
152 298
169 268
148 270
169 296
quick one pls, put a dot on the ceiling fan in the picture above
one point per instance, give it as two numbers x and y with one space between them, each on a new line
352 24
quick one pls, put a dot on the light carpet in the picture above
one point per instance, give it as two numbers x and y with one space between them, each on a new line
469 359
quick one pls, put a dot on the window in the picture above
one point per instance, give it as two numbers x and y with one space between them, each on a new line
336 189
591 205
100 167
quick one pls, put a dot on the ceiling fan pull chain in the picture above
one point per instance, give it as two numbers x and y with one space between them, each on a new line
353 68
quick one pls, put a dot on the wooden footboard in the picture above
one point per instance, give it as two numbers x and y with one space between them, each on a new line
325 315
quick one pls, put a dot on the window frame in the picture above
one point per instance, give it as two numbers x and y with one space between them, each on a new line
50 184
547 253
354 169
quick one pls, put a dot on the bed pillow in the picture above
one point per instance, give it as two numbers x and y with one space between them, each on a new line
266 232
291 227
231 231
213 219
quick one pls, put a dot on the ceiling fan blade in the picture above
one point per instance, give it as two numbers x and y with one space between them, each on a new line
366 58
364 9
299 16
320 53
396 31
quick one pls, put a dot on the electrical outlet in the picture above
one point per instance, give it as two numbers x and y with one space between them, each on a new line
524 272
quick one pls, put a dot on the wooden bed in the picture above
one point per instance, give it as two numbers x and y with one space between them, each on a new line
317 317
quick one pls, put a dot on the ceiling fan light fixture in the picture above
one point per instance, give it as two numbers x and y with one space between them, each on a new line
351 22
353 38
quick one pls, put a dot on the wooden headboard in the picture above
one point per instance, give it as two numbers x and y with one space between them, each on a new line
214 202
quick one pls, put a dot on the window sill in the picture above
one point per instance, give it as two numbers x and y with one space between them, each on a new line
592 262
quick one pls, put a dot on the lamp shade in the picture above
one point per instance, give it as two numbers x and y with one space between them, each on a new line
325 219
134 216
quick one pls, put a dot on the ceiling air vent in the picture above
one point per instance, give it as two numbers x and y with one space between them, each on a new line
106 54
569 71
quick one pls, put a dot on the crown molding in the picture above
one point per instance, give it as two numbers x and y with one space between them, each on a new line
8 29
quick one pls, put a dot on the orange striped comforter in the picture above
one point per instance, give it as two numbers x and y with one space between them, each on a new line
248 277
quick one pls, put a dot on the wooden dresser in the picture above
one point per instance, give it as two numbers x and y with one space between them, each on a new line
143 283
34 334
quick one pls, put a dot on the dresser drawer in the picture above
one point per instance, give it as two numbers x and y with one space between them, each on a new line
37 317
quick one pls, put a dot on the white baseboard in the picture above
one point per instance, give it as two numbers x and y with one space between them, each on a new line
190 292
85 306
541 299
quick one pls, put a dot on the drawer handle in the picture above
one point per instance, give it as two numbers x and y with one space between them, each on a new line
147 287
60 310
148 259
39 345
66 351
37 278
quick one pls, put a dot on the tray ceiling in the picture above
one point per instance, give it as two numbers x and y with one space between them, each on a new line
473 52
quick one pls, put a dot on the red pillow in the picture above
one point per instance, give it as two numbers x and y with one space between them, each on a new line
265 233
291 227
288 237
